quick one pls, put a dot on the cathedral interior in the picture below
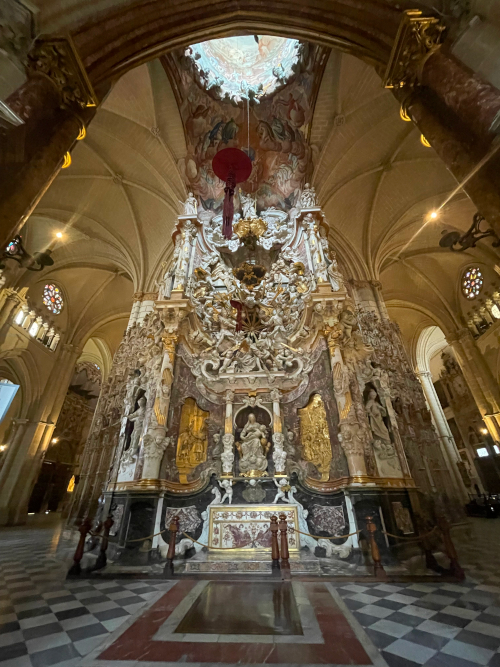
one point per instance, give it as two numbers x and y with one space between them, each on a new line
260 357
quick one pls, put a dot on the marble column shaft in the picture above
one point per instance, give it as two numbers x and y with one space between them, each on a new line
448 446
475 101
479 378
24 462
459 150
48 133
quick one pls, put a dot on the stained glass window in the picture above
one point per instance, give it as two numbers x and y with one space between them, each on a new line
472 282
52 298
245 66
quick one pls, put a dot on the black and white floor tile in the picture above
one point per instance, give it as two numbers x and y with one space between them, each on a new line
47 620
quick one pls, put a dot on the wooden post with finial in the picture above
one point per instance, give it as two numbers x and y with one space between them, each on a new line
275 550
455 567
102 559
285 563
84 530
169 565
378 568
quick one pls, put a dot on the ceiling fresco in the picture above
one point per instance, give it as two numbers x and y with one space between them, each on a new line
273 129
247 66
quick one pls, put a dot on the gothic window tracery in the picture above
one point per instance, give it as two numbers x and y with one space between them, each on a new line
52 298
472 282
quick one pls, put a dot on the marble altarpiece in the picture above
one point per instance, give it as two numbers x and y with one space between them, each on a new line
261 377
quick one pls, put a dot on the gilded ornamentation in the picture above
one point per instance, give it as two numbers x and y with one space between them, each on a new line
249 274
417 39
58 59
193 439
250 227
315 436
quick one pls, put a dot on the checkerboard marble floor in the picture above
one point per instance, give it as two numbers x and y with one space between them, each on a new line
46 620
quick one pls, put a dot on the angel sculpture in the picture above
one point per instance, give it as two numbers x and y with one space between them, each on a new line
227 486
283 486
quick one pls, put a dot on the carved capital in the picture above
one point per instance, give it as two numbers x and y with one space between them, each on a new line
229 396
276 395
57 59
352 439
155 446
418 37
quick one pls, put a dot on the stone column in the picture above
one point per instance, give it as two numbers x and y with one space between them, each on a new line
154 449
351 436
448 447
475 101
22 467
155 442
136 307
276 397
467 355
227 456
479 378
460 153
10 303
55 103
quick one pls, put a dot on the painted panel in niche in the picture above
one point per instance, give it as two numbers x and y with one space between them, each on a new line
192 443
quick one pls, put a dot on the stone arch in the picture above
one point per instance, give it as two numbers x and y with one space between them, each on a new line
113 42
430 341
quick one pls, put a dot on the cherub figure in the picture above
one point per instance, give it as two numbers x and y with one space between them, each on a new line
227 486
283 486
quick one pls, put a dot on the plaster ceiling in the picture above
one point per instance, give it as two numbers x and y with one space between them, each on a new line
117 204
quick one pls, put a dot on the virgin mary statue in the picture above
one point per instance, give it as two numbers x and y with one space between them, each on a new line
253 448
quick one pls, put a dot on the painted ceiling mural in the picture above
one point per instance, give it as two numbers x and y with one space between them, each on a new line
266 113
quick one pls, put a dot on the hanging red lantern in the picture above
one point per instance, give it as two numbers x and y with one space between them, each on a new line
232 166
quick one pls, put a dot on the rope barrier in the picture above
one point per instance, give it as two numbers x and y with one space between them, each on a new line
417 538
138 539
322 537
219 548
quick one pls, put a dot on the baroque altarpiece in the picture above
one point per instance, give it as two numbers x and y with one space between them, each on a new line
260 377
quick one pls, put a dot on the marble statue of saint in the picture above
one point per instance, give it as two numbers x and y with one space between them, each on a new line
137 418
308 197
376 413
248 205
190 205
336 278
253 447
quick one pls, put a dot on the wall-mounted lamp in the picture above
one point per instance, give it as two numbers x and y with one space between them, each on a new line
16 251
458 243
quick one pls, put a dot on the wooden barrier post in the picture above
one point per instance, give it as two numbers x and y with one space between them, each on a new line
102 559
378 568
84 530
285 563
275 550
169 565
455 567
